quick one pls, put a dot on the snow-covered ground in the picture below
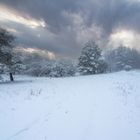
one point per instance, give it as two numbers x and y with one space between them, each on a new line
98 107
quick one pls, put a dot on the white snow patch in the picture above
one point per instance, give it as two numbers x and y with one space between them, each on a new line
98 107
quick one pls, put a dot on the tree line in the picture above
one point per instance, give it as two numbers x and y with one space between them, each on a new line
93 60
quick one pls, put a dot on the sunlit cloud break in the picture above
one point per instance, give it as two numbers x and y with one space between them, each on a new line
126 38
44 53
7 14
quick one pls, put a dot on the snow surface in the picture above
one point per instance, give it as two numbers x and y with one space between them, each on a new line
98 107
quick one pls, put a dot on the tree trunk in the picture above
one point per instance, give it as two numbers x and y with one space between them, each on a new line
11 77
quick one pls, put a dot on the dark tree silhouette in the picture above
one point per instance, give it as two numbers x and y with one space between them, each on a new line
6 46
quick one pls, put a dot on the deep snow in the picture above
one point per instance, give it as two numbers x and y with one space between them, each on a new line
98 107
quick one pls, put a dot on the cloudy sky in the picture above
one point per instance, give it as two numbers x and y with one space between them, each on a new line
61 27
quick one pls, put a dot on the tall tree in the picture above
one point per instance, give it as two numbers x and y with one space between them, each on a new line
90 61
6 46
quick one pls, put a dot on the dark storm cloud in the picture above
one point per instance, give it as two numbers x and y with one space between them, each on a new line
106 14
49 10
119 13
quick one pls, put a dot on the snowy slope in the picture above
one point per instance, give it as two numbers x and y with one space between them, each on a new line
98 107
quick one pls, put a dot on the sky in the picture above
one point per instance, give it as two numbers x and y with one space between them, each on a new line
62 27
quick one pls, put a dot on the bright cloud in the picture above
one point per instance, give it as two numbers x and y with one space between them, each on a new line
43 53
122 38
7 14
125 37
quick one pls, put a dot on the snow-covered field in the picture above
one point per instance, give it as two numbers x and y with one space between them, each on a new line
98 107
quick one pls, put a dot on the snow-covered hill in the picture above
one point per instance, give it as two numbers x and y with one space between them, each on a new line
98 107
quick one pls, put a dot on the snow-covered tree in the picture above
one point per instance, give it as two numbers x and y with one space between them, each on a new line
50 68
123 58
3 68
6 45
90 61
62 69
17 66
